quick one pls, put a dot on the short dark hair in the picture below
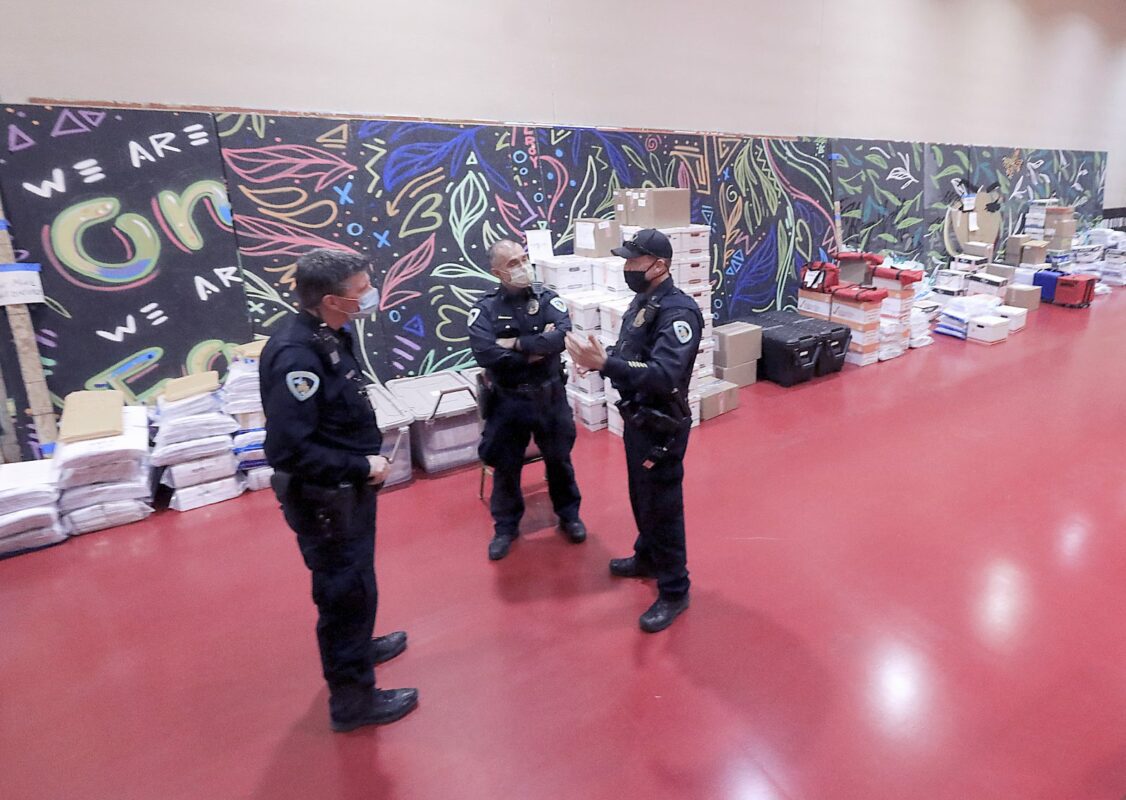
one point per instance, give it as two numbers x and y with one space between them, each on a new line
323 272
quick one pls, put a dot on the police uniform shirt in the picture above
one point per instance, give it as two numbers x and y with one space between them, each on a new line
320 425
521 315
654 357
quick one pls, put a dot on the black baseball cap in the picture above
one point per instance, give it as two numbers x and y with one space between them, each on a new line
647 242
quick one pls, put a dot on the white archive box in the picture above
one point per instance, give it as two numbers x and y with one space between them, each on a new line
583 307
701 294
951 278
614 421
687 271
611 313
592 383
968 263
709 319
629 231
446 428
985 283
394 422
689 239
608 274
988 329
1023 274
589 410
562 273
1017 317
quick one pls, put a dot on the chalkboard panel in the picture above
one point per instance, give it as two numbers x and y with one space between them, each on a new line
128 213
879 186
773 214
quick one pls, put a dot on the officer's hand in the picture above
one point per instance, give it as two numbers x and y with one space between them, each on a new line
549 327
507 344
378 469
588 353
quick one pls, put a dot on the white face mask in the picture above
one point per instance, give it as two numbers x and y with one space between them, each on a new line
368 303
521 277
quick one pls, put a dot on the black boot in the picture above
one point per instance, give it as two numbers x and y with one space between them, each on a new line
380 707
630 568
385 648
499 546
662 613
574 530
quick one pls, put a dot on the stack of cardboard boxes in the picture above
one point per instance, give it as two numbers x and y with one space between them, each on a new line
1048 221
856 307
895 310
738 346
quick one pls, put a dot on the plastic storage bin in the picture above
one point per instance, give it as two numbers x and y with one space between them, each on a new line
446 428
395 425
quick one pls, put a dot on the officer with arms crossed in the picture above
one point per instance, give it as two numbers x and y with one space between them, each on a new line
323 442
517 333
651 366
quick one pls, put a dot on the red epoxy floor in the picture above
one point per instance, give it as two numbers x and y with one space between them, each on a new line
909 583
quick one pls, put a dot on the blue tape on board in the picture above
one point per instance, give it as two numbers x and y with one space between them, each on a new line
28 267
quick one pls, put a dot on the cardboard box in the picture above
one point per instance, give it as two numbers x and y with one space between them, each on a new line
853 269
690 239
662 208
1035 251
595 238
737 343
191 385
982 249
1013 247
251 351
988 329
623 202
1005 271
1022 296
740 375
718 397
563 273
91 415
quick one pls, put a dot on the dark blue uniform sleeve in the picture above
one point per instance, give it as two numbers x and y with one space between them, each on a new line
291 423
549 344
488 353
673 354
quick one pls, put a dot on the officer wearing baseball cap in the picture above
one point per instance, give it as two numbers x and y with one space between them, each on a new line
651 366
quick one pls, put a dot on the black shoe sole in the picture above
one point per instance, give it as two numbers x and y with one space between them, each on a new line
393 654
345 727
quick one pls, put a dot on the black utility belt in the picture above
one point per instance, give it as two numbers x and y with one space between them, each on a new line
291 488
528 389
662 421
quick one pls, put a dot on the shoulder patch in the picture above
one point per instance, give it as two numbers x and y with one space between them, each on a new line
683 331
559 304
302 384
473 314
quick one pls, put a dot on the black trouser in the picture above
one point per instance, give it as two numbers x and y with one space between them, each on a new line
515 418
657 497
339 549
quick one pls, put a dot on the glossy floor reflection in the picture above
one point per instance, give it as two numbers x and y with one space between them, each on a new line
909 582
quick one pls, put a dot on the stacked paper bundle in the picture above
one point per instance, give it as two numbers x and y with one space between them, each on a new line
28 518
242 399
920 329
193 440
104 482
893 339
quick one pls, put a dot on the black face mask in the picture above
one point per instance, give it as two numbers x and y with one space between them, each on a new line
635 279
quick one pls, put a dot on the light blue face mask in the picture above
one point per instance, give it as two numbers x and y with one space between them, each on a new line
369 303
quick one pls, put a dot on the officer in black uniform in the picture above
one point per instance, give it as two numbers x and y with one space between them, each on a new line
517 333
323 442
651 366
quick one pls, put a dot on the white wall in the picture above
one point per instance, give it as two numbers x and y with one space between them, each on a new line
1006 72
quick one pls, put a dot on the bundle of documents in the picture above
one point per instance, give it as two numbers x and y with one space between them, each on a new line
104 481
28 519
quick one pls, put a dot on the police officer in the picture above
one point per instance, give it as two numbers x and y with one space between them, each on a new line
323 442
517 333
651 366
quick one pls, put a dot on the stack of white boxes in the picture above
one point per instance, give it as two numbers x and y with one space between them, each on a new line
242 399
193 440
1114 267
